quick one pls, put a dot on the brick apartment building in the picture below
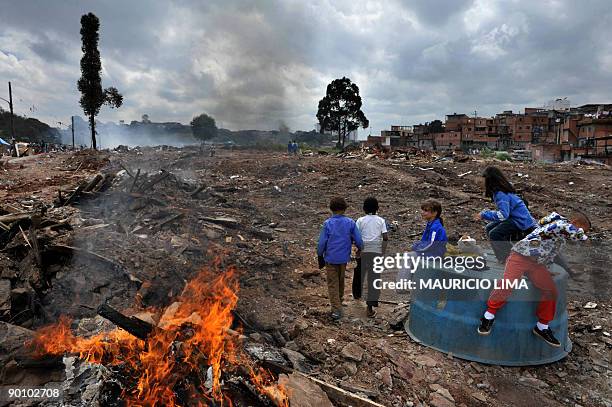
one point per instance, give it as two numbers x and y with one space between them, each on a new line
550 135
585 132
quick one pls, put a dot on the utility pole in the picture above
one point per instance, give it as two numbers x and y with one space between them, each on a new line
72 127
11 106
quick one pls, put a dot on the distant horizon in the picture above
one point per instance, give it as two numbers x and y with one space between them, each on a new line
360 130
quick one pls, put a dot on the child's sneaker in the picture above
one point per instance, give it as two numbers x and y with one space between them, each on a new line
547 335
371 312
485 326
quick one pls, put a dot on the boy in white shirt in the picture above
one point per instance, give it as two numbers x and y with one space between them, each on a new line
374 234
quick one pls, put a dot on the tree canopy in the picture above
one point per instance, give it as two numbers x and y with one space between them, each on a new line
203 127
435 126
90 83
340 109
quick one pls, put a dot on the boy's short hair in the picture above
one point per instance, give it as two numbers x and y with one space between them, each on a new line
370 205
337 204
433 206
576 214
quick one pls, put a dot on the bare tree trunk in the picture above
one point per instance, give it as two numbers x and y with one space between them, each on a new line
92 125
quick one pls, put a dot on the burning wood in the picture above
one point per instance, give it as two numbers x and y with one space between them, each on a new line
186 360
133 325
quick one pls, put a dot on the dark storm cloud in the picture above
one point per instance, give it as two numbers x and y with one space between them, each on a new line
436 12
253 64
48 49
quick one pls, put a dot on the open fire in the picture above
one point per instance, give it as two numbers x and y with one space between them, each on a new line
185 358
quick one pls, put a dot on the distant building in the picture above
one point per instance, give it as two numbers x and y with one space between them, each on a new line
552 133
448 140
560 104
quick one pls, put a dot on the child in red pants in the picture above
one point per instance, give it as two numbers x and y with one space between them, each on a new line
531 256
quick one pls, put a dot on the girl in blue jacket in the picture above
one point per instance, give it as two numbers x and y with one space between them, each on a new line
511 220
433 241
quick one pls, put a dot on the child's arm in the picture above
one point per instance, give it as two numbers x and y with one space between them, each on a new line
385 236
549 218
422 246
564 229
568 230
502 201
323 238
385 241
356 236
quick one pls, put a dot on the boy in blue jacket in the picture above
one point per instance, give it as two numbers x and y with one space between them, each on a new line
433 241
511 220
335 243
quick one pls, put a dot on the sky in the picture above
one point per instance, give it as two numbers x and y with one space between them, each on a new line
257 64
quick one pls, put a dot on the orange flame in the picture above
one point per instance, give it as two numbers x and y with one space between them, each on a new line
191 337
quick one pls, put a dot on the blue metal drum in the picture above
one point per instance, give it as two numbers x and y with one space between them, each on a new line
447 320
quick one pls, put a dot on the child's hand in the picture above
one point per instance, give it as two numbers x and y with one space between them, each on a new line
477 216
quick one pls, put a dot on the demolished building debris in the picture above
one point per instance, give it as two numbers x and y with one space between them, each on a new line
91 241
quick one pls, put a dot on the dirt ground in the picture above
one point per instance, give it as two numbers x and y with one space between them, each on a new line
276 205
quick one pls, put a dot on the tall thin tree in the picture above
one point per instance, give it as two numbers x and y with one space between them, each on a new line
90 83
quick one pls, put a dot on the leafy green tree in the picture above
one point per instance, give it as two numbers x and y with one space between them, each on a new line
203 127
340 109
90 83
435 126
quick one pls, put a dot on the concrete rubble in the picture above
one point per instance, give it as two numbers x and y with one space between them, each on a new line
130 227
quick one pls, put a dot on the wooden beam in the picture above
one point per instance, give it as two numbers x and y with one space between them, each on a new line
335 393
92 183
133 325
13 217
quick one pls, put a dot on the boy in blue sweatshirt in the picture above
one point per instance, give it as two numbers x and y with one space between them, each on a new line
511 220
433 241
335 243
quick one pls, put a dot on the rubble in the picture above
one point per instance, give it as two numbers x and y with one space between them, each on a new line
353 352
303 392
153 217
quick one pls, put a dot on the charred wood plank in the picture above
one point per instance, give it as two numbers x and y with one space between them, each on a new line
48 362
222 220
159 178
167 220
126 170
104 183
74 194
34 245
135 180
14 217
92 183
133 325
